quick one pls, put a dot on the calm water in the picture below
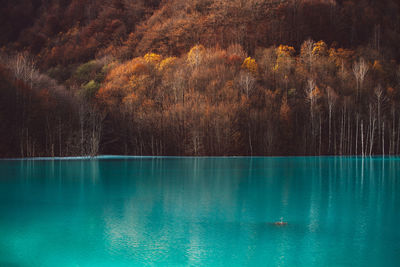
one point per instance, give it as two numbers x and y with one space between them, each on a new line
200 212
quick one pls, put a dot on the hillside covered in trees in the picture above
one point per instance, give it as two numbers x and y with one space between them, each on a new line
201 77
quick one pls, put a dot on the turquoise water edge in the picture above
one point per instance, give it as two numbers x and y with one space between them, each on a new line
171 211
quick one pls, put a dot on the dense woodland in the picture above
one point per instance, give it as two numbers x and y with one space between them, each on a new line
201 77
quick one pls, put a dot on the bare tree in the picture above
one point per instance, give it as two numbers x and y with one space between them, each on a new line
311 97
362 138
392 143
95 135
247 83
332 98
307 53
360 70
372 127
23 68
380 99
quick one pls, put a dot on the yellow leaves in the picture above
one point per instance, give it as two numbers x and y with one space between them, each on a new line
195 55
167 63
284 61
152 58
285 50
320 48
251 65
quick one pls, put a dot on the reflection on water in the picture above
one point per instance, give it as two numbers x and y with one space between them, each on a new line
201 211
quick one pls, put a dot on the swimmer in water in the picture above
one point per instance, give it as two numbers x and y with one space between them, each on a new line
281 222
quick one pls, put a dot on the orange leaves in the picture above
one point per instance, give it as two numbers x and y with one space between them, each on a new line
285 50
128 83
377 66
390 91
320 49
116 82
137 68
340 55
236 50
316 93
234 60
108 96
130 99
251 65
126 70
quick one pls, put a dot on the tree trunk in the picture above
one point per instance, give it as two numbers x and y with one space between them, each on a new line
357 119
330 126
383 138
362 138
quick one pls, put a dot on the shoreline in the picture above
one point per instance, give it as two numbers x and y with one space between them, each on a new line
118 157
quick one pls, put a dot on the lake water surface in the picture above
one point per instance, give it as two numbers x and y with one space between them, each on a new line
200 212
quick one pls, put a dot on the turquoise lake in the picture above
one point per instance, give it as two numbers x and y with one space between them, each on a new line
200 212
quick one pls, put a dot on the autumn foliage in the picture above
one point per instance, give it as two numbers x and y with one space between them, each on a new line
202 77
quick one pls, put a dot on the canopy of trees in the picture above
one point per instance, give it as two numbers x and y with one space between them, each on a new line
204 77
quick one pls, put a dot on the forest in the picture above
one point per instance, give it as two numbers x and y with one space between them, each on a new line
200 77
